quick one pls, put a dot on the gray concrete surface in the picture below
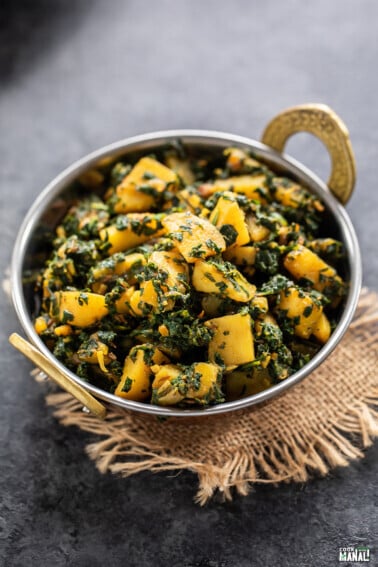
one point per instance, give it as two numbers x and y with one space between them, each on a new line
77 74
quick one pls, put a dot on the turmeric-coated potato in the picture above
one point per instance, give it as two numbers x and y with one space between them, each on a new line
79 309
229 218
194 237
303 263
135 383
130 231
139 190
222 278
232 341
252 186
302 309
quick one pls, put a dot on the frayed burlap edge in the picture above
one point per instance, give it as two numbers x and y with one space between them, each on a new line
238 449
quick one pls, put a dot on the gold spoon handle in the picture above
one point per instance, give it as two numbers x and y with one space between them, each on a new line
39 359
325 124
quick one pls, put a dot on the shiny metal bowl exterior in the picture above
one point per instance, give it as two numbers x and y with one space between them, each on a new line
49 205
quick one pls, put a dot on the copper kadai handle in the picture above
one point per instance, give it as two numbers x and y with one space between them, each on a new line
325 124
77 391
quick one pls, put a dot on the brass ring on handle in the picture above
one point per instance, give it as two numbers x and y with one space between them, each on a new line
325 124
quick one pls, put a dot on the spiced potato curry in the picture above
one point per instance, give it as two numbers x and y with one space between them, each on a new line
185 280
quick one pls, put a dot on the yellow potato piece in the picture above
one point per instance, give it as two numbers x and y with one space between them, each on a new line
288 193
98 356
196 382
261 303
195 237
223 279
300 306
164 392
135 383
118 265
228 213
238 159
303 263
322 329
232 341
190 198
146 300
173 264
129 266
208 379
153 168
257 231
122 304
133 200
163 373
63 330
241 255
240 384
136 230
79 309
149 174
266 318
252 186
181 167
291 194
40 325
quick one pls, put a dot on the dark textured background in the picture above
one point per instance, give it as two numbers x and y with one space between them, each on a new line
78 74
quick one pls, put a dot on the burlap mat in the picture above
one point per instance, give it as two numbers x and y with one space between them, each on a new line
322 423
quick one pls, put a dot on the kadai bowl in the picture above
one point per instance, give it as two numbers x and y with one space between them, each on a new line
188 273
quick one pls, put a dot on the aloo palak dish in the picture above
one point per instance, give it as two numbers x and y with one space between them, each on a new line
190 281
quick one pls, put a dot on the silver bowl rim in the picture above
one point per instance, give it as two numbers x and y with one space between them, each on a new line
204 137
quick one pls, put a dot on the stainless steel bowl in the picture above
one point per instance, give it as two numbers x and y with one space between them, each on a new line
54 200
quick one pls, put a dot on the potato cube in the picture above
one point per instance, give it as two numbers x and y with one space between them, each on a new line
139 190
222 278
238 159
322 329
252 186
194 237
132 199
240 384
135 383
40 325
229 218
263 320
79 309
164 392
304 263
149 299
291 194
241 255
173 384
260 306
181 167
122 304
96 353
202 380
118 265
257 231
232 341
130 231
171 263
190 198
304 311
